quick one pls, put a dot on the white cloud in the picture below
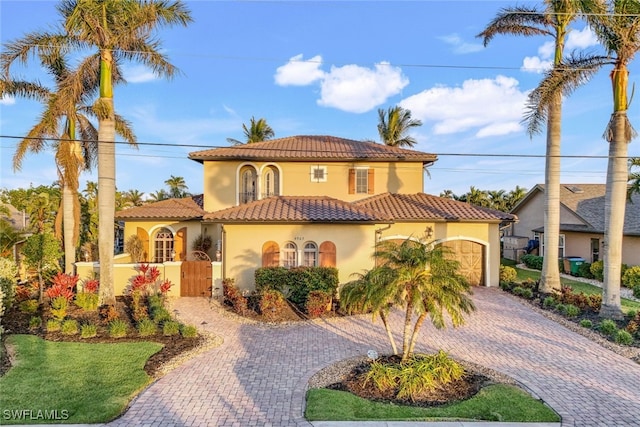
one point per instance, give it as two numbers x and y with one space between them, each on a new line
533 64
581 39
491 106
7 100
138 74
299 72
459 45
546 50
577 39
358 89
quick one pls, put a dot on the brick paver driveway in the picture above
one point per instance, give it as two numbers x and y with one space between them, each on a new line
258 376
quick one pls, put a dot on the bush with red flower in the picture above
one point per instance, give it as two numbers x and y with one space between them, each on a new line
60 293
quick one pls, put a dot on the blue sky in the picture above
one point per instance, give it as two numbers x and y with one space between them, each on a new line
325 68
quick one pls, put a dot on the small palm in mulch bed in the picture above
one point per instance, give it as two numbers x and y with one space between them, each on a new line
360 382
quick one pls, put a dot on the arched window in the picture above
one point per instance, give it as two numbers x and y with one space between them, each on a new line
270 182
290 255
310 255
163 245
247 185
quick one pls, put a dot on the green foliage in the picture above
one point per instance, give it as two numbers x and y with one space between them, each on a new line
571 310
134 247
201 243
623 337
53 325
636 291
549 302
147 328
42 251
586 323
160 315
419 374
584 270
608 327
139 309
8 280
532 261
69 327
117 328
29 306
297 283
507 274
523 292
233 297
597 270
188 331
87 301
59 307
88 330
171 328
35 322
272 303
581 300
318 303
631 277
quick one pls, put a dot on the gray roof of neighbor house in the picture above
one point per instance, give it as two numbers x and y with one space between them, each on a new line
313 148
297 209
425 207
19 220
186 208
587 202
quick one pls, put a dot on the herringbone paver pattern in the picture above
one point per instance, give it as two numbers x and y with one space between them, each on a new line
258 376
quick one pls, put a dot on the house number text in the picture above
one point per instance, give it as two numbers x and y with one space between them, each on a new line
300 238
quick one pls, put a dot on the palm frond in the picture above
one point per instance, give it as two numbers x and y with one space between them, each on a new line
519 20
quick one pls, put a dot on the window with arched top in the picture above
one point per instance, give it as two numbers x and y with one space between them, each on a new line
290 255
163 245
248 178
310 255
270 182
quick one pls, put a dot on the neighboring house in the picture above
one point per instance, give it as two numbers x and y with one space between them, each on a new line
19 220
313 201
581 223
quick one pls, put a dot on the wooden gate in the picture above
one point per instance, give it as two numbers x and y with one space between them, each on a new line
195 279
470 255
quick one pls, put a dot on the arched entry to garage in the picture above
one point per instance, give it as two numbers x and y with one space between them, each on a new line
471 256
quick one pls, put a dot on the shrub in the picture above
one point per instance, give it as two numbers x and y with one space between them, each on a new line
507 274
134 247
62 286
586 323
571 310
518 290
318 303
636 291
59 307
272 304
597 269
584 270
608 327
506 286
117 328
8 280
297 283
549 302
147 328
633 327
88 330
233 297
631 277
87 301
108 313
53 325
35 322
532 261
69 327
29 306
581 300
160 315
623 337
171 328
560 307
523 292
189 331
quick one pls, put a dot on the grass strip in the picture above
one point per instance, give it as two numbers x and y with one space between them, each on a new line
69 382
496 402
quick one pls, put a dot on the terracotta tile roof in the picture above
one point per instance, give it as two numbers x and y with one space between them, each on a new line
297 209
313 148
187 208
587 202
421 206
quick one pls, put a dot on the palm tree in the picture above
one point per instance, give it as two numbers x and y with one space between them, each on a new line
497 200
634 177
117 29
177 187
514 197
133 198
159 195
618 30
393 126
447 194
258 131
477 197
553 22
416 276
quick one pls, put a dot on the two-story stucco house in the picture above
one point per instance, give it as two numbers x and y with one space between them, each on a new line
313 201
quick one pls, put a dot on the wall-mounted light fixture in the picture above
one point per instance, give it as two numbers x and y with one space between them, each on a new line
428 231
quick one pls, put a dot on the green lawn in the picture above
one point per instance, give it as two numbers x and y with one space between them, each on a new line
493 403
73 382
627 305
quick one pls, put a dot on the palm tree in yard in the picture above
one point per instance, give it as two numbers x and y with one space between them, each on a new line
159 195
394 126
618 30
177 187
552 21
417 277
133 198
258 131
117 29
634 177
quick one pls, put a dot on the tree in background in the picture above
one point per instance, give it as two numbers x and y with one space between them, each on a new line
41 252
177 187
394 126
258 131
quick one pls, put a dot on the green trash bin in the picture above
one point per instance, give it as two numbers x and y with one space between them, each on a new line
574 263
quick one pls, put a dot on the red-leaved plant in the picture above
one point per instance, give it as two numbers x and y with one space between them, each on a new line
148 280
91 285
165 286
62 286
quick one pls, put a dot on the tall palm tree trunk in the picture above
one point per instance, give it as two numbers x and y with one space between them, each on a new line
106 179
414 334
550 277
387 327
68 224
407 331
615 203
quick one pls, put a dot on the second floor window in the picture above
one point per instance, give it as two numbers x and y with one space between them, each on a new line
362 181
248 186
270 183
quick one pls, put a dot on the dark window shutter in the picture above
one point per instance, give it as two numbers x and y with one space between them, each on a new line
270 254
327 254
370 180
352 181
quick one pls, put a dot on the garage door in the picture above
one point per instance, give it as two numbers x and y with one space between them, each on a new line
470 255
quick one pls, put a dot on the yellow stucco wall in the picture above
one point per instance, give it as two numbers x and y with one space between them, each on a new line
194 228
221 190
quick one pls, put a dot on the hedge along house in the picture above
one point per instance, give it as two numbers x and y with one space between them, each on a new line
315 201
